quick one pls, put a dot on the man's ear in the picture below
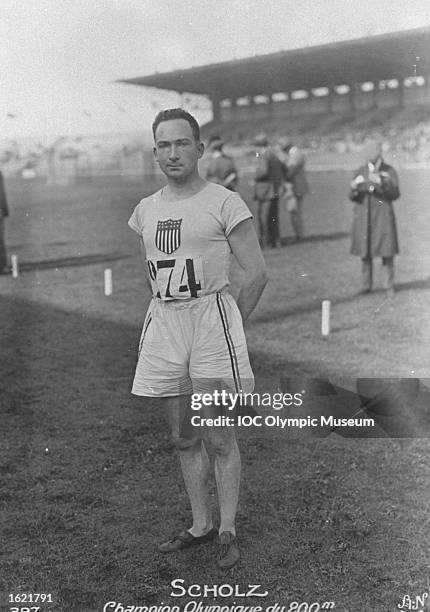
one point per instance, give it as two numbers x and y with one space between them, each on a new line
154 150
201 149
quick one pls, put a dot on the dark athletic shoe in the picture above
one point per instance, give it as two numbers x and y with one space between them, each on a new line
185 540
229 553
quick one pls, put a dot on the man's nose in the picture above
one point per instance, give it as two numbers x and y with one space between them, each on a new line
174 153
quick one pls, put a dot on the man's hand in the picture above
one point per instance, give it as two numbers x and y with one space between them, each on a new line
358 180
375 178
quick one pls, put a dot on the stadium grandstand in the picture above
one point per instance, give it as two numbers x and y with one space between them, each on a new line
330 98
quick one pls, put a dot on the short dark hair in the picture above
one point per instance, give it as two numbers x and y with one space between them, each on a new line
177 113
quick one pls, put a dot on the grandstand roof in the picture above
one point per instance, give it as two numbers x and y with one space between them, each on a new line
375 58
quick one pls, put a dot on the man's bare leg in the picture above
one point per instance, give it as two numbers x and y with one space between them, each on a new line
227 474
194 463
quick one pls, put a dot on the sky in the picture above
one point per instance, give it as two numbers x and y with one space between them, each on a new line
59 59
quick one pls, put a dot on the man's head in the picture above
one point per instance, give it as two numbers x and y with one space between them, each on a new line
285 143
177 146
261 141
176 113
215 143
372 151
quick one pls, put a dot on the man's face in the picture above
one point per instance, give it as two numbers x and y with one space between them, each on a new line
373 152
176 150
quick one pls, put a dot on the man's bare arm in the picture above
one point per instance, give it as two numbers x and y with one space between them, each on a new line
246 248
143 253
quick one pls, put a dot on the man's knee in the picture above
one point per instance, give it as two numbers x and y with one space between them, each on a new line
186 443
223 444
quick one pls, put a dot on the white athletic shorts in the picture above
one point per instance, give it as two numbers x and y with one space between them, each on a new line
193 346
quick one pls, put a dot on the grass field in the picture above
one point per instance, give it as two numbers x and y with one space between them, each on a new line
90 482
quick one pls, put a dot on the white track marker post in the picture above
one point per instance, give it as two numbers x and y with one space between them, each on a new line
14 262
325 317
108 281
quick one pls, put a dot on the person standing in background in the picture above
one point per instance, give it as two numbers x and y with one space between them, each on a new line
4 213
221 168
296 184
269 181
374 233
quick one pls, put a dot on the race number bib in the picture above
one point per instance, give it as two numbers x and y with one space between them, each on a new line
176 278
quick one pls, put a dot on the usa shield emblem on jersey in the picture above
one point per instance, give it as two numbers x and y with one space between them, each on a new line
168 235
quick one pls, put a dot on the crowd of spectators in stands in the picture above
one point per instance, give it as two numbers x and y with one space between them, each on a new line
404 132
410 141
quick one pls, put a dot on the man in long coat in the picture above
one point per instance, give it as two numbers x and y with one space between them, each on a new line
374 234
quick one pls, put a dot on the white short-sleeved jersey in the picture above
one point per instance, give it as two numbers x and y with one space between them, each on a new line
186 245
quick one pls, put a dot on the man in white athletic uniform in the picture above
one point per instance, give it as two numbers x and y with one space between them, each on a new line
192 339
